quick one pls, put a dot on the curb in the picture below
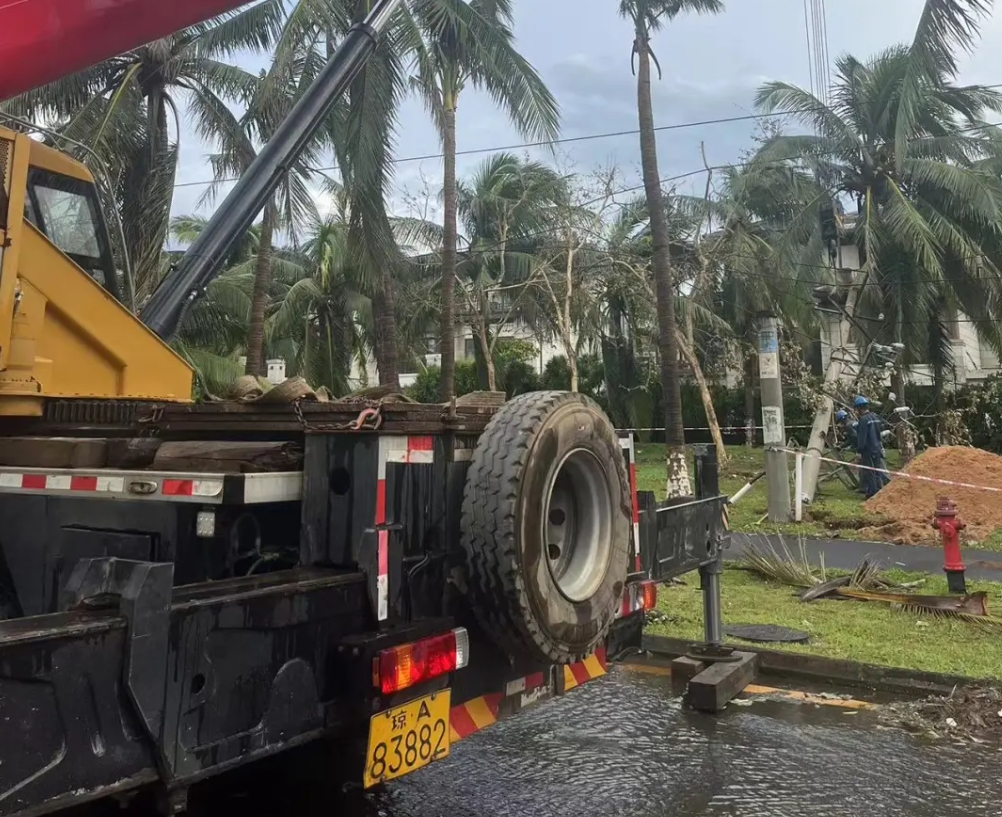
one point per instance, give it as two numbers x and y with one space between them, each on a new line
828 670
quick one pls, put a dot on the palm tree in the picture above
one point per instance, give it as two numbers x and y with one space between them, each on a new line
317 319
648 17
460 44
505 207
122 109
321 321
750 212
362 136
238 138
913 152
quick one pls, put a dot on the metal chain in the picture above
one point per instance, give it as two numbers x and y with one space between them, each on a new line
370 419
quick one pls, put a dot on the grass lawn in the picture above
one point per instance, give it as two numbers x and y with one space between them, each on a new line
836 512
859 631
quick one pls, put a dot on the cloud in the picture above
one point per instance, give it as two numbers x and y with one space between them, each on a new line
712 67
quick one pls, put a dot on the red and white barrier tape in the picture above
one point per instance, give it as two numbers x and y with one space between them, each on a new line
892 473
707 428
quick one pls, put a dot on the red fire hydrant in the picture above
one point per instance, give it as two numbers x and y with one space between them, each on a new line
950 525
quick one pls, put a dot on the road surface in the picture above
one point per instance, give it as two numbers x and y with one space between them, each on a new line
624 746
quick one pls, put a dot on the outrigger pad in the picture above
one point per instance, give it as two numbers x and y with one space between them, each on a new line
713 688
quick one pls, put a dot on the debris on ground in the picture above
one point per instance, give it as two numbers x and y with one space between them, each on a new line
906 506
766 561
972 608
866 583
971 713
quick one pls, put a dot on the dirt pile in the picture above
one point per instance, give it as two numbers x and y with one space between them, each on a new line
970 713
908 505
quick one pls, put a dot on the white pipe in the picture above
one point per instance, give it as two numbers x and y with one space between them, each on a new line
746 488
798 487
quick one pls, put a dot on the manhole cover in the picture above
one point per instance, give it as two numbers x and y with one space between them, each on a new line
766 633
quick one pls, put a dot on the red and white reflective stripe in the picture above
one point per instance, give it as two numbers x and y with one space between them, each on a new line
191 487
108 484
409 450
382 535
61 482
632 601
633 598
401 450
529 683
628 446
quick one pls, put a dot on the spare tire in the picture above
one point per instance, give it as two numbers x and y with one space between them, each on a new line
546 527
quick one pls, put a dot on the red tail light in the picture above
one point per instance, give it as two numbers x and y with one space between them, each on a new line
405 666
638 596
649 595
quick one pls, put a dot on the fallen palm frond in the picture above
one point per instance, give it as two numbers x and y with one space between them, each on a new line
797 571
785 568
975 604
865 583
972 608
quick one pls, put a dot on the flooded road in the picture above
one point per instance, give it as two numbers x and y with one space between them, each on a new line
624 746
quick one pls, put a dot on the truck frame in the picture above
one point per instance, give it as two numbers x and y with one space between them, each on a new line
187 588
144 647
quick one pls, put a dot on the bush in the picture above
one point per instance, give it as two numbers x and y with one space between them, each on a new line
513 367
425 390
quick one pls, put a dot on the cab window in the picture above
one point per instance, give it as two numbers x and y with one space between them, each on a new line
69 222
66 211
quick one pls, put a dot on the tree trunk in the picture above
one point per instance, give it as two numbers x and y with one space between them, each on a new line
259 299
145 208
902 432
486 347
569 348
704 393
678 472
447 385
751 362
939 397
385 346
572 363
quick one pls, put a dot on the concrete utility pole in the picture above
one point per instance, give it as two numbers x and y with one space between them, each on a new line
777 466
835 332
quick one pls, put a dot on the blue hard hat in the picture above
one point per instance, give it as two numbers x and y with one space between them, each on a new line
840 415
860 401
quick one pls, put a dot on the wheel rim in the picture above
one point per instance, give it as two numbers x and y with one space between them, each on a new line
577 525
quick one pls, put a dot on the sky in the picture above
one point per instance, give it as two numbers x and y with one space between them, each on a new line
712 67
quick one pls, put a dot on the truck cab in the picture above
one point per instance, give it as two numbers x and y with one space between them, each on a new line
61 202
64 331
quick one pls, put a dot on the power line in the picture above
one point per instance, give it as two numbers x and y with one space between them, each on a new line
589 138
779 160
547 143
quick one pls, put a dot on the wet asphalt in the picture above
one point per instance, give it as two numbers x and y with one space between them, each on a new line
624 746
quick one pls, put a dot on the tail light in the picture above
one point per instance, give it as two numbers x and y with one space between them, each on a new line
649 596
638 596
408 665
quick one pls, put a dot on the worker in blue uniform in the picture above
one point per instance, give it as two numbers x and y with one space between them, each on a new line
870 448
848 427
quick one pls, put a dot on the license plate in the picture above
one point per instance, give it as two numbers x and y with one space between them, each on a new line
407 738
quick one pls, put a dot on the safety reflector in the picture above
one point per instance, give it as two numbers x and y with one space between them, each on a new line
405 666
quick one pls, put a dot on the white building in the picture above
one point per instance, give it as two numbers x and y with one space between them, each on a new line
973 362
